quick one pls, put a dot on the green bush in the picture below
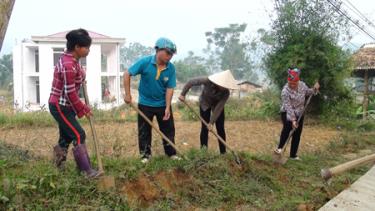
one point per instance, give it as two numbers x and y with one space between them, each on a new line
261 105
341 115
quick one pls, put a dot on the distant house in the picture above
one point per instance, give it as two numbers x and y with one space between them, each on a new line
33 65
364 67
245 88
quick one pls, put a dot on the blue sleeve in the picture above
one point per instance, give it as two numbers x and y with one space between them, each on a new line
172 78
137 67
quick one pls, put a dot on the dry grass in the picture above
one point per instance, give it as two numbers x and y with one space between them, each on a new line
120 140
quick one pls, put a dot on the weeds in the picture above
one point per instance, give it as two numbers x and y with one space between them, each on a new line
206 180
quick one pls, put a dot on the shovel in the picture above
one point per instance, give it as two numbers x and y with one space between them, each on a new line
237 158
157 129
104 182
278 158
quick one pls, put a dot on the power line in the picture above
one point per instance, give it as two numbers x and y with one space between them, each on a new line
354 46
360 14
351 20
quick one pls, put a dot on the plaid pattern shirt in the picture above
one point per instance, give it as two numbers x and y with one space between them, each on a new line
293 101
67 79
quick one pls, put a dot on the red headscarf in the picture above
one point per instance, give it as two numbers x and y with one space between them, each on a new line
293 74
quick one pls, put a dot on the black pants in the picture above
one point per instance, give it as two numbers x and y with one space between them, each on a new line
287 127
145 130
206 115
69 128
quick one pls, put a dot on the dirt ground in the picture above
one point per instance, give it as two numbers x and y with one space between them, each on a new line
120 139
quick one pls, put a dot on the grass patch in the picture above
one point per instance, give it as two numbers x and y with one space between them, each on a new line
45 119
206 180
256 106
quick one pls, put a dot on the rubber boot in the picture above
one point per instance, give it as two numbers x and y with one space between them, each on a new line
83 161
59 156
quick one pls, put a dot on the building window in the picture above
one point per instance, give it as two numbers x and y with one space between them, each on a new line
108 89
37 60
104 63
56 54
37 91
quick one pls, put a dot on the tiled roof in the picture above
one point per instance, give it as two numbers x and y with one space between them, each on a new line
364 58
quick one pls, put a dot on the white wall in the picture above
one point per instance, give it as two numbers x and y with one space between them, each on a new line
46 67
93 76
17 75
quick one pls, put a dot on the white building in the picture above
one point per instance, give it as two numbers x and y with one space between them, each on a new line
33 66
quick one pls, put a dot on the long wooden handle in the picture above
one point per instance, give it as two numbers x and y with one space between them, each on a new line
91 120
206 124
294 129
156 129
213 132
328 173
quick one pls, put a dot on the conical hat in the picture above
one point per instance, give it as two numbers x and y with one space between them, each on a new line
224 79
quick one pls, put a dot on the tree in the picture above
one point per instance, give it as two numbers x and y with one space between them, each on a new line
260 46
6 7
306 34
6 71
130 54
230 51
190 67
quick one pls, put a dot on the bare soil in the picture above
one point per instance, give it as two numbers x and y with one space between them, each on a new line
120 139
146 189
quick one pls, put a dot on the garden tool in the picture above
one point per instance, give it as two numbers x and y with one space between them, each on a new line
237 158
278 158
156 129
328 173
59 156
104 182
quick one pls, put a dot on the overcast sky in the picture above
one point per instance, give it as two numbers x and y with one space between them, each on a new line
144 21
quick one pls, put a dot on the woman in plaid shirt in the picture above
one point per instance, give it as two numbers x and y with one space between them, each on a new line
293 98
65 104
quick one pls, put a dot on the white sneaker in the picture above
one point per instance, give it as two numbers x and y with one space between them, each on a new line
278 151
145 160
295 158
175 157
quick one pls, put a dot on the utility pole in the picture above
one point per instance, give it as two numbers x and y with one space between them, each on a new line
6 7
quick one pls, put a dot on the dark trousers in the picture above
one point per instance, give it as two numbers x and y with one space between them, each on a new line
206 115
69 128
287 127
145 130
